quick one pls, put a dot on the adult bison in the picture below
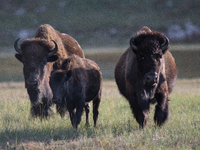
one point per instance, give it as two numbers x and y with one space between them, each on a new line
145 74
39 56
77 83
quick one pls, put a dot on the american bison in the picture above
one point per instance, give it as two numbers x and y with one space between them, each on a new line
40 55
77 83
145 74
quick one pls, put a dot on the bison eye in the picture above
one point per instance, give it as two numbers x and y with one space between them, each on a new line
158 56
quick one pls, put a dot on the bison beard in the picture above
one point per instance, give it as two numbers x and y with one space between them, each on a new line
39 109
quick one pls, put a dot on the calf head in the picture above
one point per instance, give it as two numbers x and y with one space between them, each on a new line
59 84
149 48
35 55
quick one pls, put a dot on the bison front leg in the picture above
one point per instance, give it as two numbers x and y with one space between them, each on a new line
162 108
139 114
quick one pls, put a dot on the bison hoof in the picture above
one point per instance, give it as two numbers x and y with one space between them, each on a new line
87 124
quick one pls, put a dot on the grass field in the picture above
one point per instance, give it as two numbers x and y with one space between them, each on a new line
105 23
116 129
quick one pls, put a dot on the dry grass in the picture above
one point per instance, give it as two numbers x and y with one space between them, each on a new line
116 129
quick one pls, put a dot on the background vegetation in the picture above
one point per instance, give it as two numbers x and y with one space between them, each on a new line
97 23
103 29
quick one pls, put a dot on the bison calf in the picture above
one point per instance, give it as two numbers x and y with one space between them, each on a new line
145 74
77 83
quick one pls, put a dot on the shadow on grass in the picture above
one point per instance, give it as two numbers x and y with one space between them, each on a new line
10 139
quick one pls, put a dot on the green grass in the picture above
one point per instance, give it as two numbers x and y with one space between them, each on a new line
116 129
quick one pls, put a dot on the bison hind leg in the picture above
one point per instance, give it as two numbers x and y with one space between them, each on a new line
96 103
87 112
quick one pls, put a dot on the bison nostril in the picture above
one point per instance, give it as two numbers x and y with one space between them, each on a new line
155 79
31 85
151 78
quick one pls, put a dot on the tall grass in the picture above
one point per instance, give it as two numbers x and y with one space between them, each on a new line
116 127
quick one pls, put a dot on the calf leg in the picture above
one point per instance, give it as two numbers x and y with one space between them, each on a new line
87 112
96 103
71 108
78 114
162 109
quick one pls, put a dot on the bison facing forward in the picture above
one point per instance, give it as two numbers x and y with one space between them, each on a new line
77 83
38 56
145 74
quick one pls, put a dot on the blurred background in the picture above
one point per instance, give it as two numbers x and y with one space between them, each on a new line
103 29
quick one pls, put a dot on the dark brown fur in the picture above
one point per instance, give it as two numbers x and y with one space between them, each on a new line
77 83
38 65
146 74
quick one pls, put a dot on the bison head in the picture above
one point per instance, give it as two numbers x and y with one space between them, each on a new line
58 84
149 48
35 55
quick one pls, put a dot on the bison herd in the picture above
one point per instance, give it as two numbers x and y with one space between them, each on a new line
56 72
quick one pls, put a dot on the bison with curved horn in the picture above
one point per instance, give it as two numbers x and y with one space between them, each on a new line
40 55
145 74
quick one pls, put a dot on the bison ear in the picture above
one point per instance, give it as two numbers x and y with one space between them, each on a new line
19 57
52 58
68 75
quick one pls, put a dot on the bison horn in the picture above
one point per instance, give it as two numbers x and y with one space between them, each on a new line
16 47
55 49
133 46
166 45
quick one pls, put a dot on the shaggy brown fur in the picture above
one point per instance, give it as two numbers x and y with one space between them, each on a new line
38 64
77 83
145 74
